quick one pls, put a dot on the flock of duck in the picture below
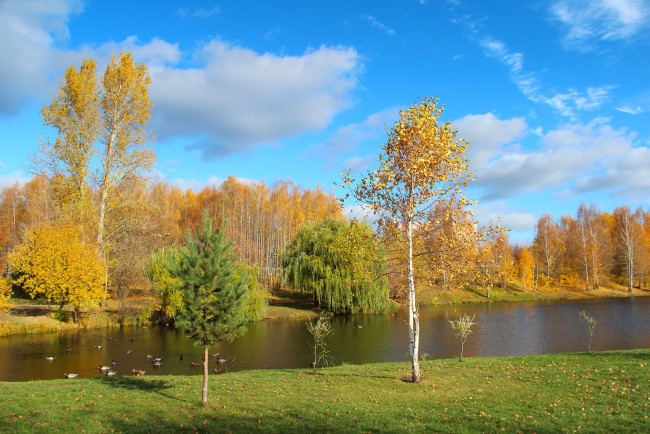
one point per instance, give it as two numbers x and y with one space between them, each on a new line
156 362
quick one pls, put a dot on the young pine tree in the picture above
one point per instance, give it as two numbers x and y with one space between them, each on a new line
214 299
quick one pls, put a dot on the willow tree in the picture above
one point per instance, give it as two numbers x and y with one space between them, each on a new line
213 307
422 166
341 264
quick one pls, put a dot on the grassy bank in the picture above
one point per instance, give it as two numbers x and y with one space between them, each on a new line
471 294
590 392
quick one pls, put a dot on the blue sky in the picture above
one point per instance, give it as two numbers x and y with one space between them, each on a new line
553 95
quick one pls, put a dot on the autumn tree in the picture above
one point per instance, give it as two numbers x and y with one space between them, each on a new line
547 245
341 264
213 305
5 294
526 264
75 114
421 165
628 241
54 263
107 120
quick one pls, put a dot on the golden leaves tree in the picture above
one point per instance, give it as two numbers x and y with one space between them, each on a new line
106 118
54 263
5 294
421 166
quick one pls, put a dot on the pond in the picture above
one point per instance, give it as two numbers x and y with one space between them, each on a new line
502 329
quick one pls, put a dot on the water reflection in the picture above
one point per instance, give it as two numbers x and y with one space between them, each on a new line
502 329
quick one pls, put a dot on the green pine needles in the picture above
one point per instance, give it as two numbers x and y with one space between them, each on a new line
341 263
214 298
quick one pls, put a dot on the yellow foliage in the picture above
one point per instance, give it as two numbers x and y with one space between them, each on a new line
53 262
5 293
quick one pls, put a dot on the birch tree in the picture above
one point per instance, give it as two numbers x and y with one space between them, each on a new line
627 241
421 165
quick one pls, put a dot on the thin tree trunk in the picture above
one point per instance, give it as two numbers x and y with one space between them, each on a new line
414 322
204 395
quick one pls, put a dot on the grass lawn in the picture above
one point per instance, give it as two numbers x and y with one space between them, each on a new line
586 392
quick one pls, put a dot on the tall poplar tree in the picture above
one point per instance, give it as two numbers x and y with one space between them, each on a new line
422 166
214 299
106 118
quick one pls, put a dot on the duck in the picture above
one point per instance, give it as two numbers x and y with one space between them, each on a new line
218 371
99 347
49 358
196 364
104 368
137 372
214 356
110 373
221 360
180 356
68 349
113 362
129 351
67 375
149 356
156 359
157 364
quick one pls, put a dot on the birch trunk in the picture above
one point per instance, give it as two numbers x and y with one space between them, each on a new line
414 321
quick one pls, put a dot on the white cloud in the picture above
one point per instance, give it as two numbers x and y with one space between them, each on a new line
356 164
199 13
28 32
241 98
347 138
567 103
487 134
510 218
586 21
234 100
31 35
574 157
630 110
378 24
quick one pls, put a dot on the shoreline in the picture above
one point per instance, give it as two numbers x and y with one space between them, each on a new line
25 319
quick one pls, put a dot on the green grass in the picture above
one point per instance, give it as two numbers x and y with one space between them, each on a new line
588 392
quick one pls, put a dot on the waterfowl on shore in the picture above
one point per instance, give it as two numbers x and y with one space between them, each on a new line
218 371
110 373
49 358
70 375
137 372
104 368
